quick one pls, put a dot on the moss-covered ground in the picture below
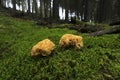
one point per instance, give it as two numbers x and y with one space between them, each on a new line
99 59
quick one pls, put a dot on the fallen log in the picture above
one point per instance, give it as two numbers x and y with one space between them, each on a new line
113 29
115 23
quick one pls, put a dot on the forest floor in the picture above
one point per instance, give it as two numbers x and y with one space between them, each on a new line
99 59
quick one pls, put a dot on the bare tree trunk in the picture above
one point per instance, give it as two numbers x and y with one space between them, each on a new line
85 6
1 4
23 6
14 7
33 7
66 10
56 9
36 7
28 6
50 9
42 15
114 29
66 14
117 9
14 4
46 8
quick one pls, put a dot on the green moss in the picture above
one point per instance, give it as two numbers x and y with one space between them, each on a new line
98 59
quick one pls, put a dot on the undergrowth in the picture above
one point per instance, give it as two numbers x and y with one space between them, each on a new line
99 59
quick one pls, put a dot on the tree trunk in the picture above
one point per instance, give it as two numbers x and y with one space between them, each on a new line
0 2
104 11
99 17
14 7
42 15
114 29
56 9
28 7
36 7
32 8
66 14
46 9
14 4
85 6
23 6
115 23
66 10
1 5
117 9
50 9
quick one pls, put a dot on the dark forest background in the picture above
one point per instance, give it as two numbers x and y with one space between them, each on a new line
102 11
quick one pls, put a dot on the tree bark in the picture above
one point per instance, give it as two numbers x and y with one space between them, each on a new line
66 10
115 23
28 7
14 7
14 4
23 6
42 15
56 9
1 5
114 29
0 2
